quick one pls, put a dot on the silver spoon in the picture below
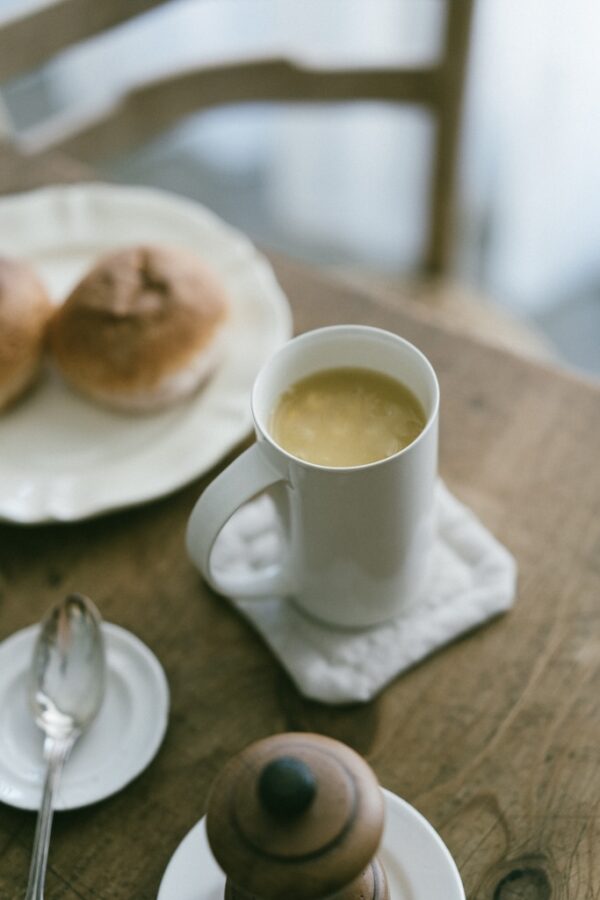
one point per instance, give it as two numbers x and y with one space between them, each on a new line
66 687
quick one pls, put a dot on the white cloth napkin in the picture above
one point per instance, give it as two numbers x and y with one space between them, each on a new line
472 578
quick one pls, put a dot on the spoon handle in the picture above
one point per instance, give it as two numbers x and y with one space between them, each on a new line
56 753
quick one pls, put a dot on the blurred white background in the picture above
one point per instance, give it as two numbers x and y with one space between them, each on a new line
346 185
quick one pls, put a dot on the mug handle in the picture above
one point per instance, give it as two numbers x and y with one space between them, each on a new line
247 475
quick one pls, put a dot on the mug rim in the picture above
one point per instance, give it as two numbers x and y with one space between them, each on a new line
348 328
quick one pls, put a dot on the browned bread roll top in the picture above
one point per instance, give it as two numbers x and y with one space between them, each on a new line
25 310
142 329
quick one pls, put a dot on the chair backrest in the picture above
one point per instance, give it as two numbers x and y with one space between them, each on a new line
32 36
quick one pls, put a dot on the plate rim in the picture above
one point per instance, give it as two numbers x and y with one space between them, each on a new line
132 643
49 508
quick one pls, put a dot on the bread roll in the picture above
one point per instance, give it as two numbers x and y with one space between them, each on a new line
25 310
142 329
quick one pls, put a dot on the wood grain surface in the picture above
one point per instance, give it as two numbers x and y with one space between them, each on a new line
495 739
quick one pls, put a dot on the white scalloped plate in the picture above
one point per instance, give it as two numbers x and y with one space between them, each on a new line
63 458
418 864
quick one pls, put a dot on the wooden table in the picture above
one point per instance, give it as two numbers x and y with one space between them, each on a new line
496 738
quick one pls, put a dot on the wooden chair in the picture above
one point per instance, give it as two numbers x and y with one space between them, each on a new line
31 37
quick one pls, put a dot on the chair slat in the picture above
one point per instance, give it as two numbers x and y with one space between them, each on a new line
438 252
150 108
29 37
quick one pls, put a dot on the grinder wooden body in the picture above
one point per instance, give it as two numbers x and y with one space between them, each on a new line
298 817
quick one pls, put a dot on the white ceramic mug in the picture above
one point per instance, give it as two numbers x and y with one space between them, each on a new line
355 540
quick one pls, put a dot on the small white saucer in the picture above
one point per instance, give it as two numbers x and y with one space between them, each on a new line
416 860
119 744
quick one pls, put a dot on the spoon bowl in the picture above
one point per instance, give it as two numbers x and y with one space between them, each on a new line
68 671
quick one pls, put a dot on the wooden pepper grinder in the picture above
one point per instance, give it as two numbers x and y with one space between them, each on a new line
298 817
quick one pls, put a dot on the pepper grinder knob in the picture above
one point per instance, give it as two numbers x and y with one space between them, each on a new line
286 787
297 816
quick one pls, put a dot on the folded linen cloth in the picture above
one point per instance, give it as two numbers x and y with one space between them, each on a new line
472 578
